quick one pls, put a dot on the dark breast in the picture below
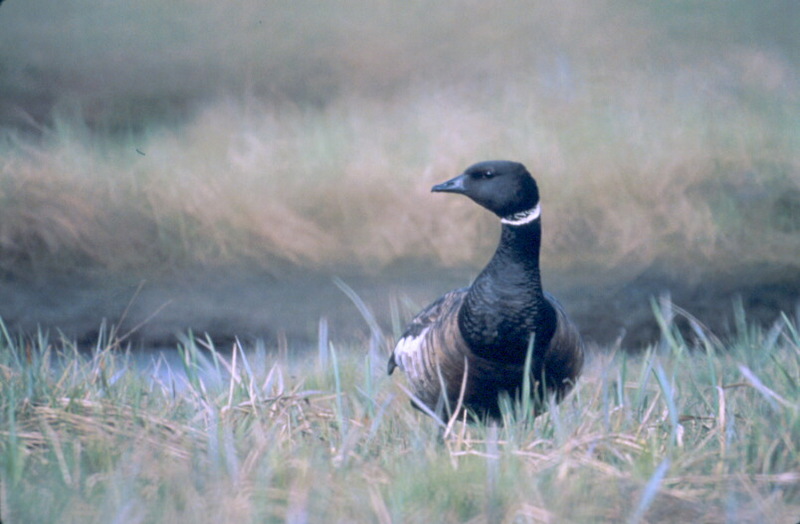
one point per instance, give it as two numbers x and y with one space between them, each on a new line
502 313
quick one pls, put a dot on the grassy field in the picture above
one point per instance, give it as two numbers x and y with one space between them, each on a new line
312 135
706 433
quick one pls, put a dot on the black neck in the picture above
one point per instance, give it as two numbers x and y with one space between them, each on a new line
506 303
519 244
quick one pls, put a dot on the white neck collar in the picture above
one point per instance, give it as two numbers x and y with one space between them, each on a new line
523 217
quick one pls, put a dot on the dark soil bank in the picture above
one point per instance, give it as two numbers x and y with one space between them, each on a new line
248 303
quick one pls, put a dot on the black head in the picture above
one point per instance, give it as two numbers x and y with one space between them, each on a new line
504 188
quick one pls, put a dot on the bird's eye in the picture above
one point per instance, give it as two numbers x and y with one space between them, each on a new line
488 174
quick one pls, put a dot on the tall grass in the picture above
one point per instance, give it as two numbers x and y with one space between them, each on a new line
312 135
701 432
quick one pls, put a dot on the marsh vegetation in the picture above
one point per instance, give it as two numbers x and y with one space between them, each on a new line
212 165
134 148
313 135
679 433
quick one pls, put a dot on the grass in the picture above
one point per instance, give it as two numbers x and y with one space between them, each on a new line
705 431
310 135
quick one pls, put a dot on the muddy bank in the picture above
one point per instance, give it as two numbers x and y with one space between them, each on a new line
286 306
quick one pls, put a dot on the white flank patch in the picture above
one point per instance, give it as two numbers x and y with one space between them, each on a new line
408 354
523 217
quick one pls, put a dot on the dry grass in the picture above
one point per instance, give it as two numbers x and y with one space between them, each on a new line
679 434
657 136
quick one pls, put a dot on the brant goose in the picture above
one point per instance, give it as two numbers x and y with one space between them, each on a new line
480 335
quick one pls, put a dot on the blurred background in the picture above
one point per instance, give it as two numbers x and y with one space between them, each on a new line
214 165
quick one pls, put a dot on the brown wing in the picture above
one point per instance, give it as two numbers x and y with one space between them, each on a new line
563 360
432 345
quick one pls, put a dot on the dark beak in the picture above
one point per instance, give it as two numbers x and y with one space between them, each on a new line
454 185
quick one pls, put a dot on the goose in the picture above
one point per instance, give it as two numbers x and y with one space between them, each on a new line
476 338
